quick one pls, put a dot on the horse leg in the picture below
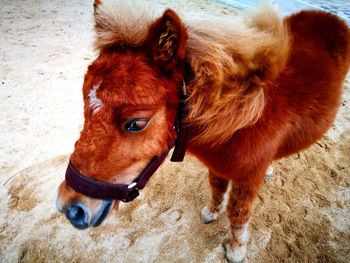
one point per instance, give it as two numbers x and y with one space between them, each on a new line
212 210
239 210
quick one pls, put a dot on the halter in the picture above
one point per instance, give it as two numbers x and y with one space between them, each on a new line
127 192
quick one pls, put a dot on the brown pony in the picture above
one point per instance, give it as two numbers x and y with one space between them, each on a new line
259 88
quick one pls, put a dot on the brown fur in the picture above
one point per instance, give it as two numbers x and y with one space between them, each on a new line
231 71
261 88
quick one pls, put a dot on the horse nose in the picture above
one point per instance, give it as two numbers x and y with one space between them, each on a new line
78 214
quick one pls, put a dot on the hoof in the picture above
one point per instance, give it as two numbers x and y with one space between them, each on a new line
236 255
268 173
208 216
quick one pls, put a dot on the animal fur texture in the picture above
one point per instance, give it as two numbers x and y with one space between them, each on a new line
260 87
232 59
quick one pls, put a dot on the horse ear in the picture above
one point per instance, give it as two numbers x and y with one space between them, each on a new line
167 40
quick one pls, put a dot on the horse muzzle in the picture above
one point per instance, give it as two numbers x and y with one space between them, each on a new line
81 216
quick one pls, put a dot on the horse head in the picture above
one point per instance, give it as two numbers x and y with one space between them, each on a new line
131 96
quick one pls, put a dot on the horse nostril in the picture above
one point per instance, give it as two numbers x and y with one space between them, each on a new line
78 215
75 213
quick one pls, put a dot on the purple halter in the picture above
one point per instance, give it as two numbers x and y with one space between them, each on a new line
103 190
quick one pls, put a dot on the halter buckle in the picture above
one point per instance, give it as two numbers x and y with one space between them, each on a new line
132 185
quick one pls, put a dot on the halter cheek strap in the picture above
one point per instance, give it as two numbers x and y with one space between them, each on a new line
180 128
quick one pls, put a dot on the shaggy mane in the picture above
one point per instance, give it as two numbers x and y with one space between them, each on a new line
233 59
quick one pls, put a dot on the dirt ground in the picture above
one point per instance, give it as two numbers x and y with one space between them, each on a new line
302 214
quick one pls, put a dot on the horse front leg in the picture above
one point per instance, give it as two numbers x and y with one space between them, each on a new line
239 211
213 209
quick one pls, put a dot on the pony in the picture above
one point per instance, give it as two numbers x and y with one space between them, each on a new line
246 90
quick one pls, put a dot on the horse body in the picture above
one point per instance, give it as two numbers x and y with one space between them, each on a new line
264 90
300 105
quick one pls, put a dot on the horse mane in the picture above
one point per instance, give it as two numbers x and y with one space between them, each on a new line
234 58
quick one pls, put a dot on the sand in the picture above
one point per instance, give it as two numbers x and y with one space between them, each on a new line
302 214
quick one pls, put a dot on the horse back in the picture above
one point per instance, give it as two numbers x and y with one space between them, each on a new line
310 87
319 31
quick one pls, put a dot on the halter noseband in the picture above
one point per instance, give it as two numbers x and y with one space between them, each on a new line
108 191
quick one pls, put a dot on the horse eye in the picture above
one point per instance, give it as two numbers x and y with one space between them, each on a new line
135 125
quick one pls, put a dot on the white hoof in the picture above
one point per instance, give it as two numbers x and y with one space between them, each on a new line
237 254
268 173
207 216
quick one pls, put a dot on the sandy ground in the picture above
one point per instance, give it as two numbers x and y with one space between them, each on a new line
303 210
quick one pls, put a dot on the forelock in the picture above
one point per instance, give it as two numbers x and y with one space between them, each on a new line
123 22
